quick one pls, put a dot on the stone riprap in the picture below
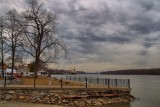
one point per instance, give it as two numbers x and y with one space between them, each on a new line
65 97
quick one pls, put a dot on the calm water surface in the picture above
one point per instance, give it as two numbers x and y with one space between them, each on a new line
145 88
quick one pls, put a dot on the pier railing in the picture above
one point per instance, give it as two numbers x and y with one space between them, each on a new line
108 82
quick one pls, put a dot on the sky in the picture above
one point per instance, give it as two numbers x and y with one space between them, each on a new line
104 35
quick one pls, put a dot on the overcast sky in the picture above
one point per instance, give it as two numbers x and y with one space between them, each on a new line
104 35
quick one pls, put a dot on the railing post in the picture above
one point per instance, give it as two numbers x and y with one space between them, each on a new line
97 80
129 83
5 81
116 82
108 83
61 82
86 82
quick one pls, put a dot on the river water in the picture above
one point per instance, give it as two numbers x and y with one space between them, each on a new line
146 88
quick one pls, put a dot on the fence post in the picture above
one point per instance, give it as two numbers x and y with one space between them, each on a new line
108 83
61 82
116 82
97 80
5 81
86 82
128 83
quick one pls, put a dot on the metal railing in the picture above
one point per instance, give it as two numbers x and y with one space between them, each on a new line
103 81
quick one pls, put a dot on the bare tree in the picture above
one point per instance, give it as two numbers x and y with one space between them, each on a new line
18 61
41 38
13 29
2 45
3 48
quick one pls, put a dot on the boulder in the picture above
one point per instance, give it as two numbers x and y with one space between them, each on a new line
11 92
21 97
8 97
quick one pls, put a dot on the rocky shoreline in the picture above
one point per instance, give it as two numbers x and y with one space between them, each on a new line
66 97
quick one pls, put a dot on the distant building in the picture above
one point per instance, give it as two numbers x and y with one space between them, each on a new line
43 73
25 71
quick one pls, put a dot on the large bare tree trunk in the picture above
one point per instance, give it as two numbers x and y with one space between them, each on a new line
2 56
41 41
13 56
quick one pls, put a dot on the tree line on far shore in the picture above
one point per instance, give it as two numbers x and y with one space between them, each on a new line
153 71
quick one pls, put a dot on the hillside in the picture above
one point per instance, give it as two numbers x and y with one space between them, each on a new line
152 71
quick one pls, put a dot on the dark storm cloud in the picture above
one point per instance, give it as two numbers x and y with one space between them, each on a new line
138 21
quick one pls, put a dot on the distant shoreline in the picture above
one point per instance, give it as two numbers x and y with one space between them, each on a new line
152 71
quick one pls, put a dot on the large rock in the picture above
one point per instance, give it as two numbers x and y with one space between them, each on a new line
76 103
8 97
11 92
84 93
88 102
21 97
98 103
65 101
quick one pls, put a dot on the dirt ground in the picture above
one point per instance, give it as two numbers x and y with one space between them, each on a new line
48 81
